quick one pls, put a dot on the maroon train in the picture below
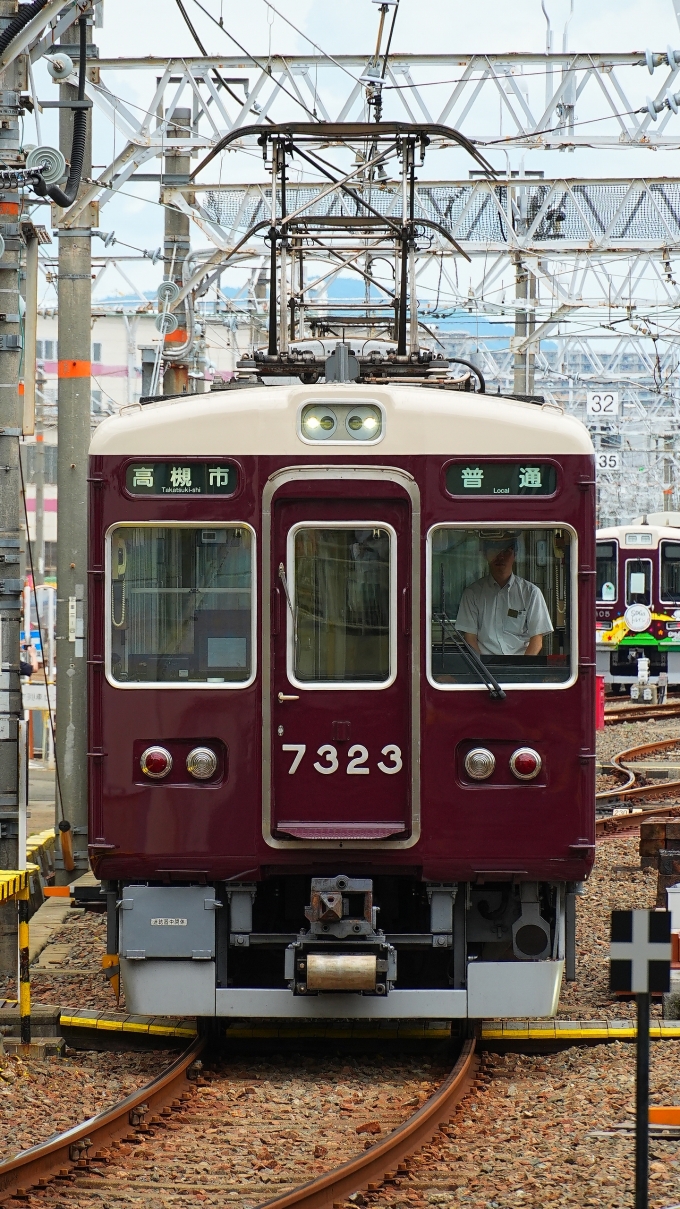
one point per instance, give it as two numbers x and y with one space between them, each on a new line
309 796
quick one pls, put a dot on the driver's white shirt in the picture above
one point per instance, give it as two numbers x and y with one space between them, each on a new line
504 619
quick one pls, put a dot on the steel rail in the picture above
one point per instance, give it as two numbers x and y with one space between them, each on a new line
380 1161
641 713
613 825
630 790
625 824
37 1166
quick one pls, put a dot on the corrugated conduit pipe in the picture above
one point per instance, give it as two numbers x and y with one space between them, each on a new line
26 13
66 197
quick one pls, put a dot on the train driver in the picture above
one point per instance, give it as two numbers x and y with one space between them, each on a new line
501 614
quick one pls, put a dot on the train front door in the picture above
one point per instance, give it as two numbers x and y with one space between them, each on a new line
340 688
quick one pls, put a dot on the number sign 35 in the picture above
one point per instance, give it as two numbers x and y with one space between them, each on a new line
357 766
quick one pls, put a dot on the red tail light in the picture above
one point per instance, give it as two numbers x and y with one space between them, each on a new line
155 762
525 763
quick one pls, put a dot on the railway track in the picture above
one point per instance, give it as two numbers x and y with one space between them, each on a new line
67 1163
641 713
633 793
149 1107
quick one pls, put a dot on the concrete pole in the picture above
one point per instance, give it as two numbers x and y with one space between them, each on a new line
177 243
668 475
11 509
75 269
525 323
39 474
39 556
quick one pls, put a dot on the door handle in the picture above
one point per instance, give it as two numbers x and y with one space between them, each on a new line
287 697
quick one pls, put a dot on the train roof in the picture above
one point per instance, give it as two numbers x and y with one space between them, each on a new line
639 536
264 420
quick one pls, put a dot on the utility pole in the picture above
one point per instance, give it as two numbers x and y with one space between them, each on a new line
177 244
525 323
668 475
11 510
39 474
74 369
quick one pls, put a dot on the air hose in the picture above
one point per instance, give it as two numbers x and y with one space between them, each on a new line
66 197
26 13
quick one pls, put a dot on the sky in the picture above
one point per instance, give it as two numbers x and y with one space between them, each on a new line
156 28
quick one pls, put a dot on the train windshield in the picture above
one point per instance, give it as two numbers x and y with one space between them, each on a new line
606 573
670 572
639 581
180 604
343 598
508 594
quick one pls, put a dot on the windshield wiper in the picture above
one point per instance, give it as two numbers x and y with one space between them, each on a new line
470 656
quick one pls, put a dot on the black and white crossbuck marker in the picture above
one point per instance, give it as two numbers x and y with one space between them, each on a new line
640 951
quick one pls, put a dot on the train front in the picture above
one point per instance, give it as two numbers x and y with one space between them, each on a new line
638 605
342 672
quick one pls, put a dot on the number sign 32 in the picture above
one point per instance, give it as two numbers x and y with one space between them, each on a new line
357 766
602 403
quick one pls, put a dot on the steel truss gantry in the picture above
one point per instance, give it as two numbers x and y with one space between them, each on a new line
501 101
600 255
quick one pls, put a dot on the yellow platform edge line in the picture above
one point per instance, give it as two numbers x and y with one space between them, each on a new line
607 1032
490 1032
13 881
124 1026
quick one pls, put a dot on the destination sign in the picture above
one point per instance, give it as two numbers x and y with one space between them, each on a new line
501 478
181 478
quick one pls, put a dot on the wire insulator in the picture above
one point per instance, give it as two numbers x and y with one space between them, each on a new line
66 197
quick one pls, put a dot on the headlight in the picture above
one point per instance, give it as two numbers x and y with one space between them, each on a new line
318 423
480 763
201 763
364 423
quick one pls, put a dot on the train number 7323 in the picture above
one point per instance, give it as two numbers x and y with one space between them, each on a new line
357 759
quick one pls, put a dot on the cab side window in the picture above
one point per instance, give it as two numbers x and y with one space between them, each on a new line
507 594
670 572
180 605
606 572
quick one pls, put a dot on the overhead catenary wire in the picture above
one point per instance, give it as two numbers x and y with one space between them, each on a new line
389 40
192 29
254 59
311 41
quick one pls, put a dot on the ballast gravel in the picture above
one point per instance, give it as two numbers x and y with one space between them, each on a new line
539 1132
624 735
77 980
39 1098
616 883
256 1129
